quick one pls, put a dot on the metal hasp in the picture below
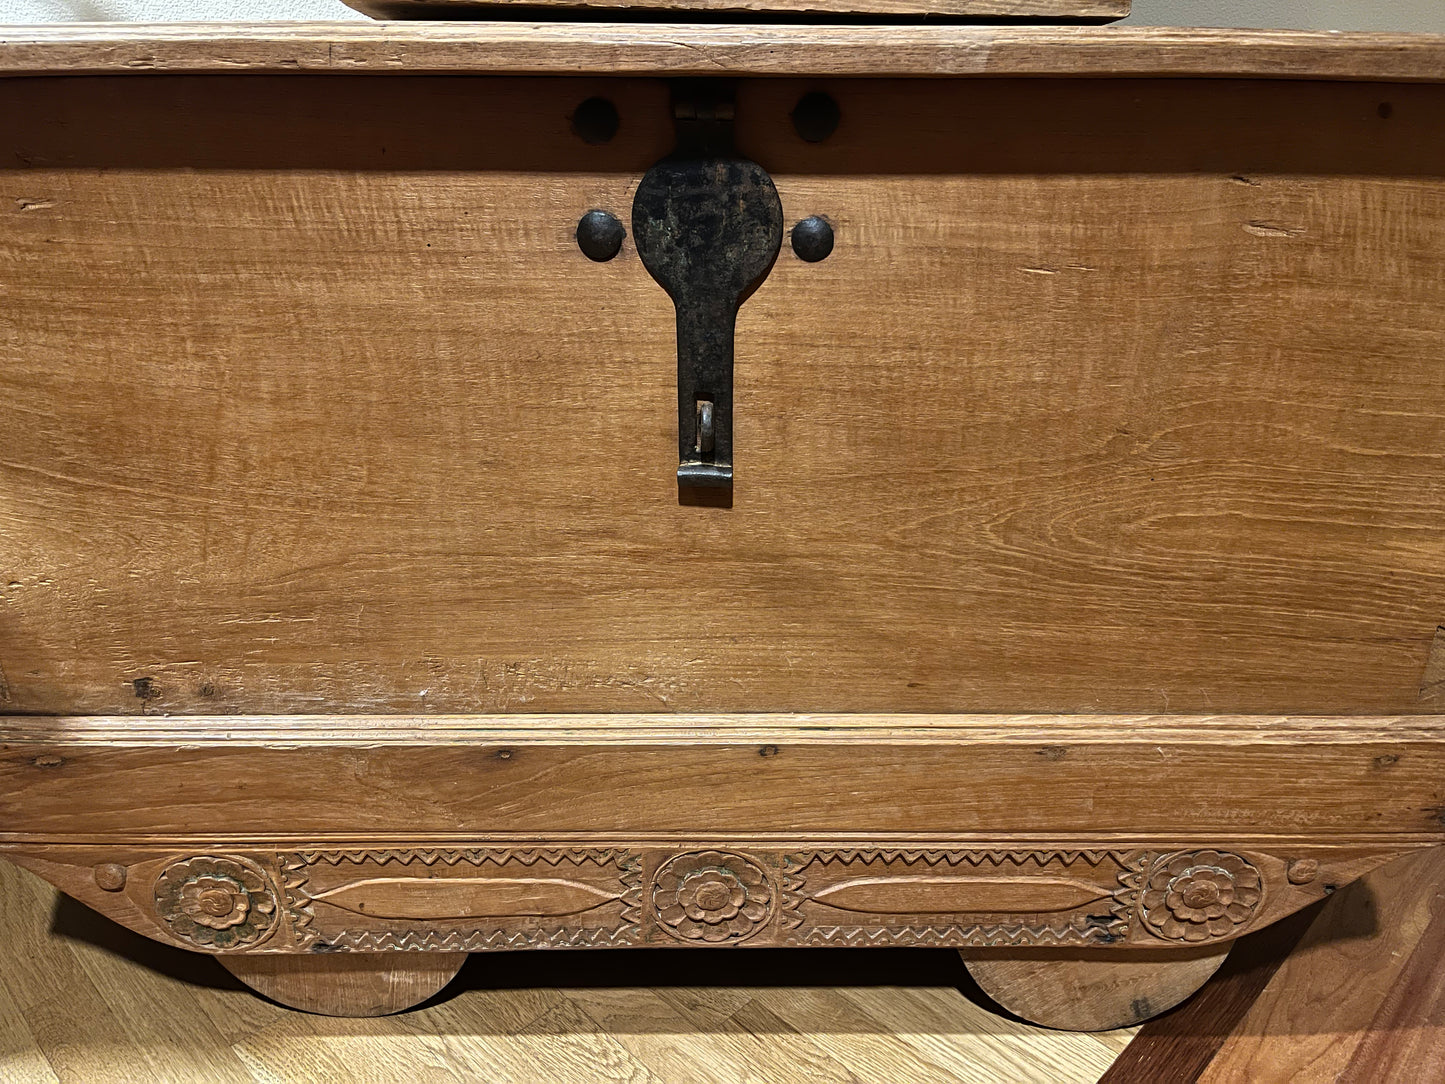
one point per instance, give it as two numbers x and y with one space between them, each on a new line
708 225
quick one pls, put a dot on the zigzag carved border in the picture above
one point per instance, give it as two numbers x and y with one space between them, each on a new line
959 936
479 898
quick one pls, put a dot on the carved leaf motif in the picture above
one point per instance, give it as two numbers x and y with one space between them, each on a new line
961 894
466 897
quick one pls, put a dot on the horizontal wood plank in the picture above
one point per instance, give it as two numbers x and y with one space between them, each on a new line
717 50
67 779
363 731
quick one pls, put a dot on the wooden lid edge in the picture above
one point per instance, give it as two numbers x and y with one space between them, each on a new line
516 48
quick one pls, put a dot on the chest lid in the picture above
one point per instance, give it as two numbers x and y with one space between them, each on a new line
814 11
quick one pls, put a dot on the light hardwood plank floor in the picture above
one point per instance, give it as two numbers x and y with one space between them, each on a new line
84 1000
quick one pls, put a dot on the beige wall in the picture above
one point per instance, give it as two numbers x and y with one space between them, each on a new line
1421 15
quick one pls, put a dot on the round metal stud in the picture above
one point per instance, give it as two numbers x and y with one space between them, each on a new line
596 121
599 236
812 239
816 116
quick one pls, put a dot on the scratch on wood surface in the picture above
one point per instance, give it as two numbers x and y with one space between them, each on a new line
1055 270
704 55
1272 229
1432 685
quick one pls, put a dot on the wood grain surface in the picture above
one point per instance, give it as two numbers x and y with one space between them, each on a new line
84 1001
1322 1007
1360 1000
1178 1046
1113 397
1406 1037
1093 990
821 9
589 48
1116 396
580 832
599 780
362 984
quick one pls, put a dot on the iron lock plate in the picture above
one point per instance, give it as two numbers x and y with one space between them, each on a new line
708 225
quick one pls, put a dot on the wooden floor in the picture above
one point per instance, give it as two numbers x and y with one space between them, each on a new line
84 1000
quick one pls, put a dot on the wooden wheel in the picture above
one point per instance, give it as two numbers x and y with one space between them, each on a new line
1092 990
348 984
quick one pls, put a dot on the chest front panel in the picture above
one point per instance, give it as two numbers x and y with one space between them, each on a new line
1113 395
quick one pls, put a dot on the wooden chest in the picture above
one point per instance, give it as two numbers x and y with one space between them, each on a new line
1064 575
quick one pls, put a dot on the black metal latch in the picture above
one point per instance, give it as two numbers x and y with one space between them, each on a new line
708 225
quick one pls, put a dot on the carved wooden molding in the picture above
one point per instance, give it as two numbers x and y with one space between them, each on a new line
464 900
473 899
642 835
711 897
963 898
216 903
1201 895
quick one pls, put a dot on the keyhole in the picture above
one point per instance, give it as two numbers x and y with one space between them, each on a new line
704 443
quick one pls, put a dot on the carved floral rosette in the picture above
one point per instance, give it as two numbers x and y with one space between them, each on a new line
1201 895
217 903
713 897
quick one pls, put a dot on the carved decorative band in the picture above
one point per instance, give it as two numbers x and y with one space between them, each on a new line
465 900
480 898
